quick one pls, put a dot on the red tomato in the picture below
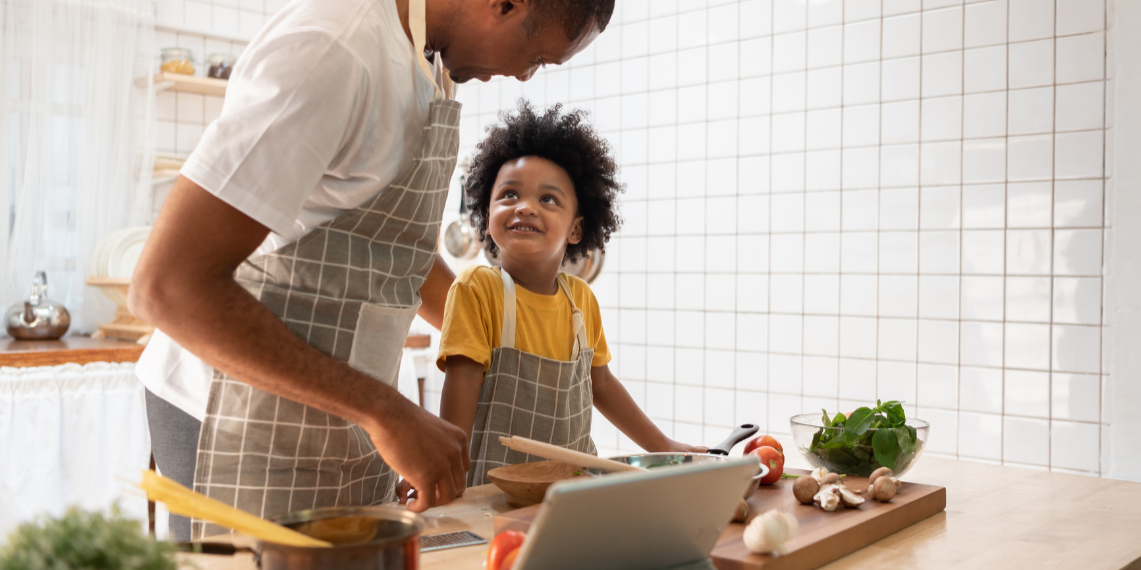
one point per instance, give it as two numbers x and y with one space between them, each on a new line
509 562
774 460
502 548
762 441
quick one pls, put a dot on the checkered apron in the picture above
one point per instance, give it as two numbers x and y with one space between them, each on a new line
531 396
350 288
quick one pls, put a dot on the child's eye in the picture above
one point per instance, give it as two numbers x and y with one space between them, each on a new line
509 195
550 200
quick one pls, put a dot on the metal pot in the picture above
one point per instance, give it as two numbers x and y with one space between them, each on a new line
38 318
719 452
365 538
459 237
586 268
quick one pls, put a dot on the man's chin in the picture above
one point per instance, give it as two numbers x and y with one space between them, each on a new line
461 79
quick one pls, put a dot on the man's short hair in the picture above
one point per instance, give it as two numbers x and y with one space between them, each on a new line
572 15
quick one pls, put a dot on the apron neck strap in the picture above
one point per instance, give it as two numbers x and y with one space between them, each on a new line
418 23
507 337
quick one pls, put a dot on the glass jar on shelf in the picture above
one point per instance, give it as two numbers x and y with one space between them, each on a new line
177 60
221 64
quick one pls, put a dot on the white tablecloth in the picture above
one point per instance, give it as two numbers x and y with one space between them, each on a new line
70 435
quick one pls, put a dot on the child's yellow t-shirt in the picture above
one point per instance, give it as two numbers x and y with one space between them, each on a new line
473 319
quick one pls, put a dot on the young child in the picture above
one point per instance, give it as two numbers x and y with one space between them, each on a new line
523 348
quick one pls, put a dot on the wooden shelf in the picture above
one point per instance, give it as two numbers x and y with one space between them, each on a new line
180 83
73 349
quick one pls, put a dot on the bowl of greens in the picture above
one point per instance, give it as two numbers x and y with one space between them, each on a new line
861 442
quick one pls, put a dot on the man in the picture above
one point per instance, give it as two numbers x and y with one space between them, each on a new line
338 137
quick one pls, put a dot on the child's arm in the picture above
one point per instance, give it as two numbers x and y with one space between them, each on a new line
612 399
463 378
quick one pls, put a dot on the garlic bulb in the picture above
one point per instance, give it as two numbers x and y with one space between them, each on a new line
769 532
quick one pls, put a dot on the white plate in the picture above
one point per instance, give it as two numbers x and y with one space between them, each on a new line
99 257
124 253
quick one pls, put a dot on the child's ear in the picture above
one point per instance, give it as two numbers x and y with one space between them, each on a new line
576 231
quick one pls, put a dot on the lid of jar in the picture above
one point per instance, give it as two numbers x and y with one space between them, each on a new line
222 58
177 53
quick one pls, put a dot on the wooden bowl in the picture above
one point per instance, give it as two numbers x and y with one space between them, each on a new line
525 484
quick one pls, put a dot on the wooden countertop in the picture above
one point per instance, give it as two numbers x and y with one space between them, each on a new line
83 350
996 517
77 349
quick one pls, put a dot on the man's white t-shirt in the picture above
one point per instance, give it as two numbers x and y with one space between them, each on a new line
321 112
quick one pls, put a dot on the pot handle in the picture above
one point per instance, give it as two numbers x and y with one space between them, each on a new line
740 433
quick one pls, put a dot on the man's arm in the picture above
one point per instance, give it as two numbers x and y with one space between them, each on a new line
434 292
184 285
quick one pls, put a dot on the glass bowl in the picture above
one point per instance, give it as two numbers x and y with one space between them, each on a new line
858 458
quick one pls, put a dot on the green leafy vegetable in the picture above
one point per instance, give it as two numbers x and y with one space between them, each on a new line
85 540
865 440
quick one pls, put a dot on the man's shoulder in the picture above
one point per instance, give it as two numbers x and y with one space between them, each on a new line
356 24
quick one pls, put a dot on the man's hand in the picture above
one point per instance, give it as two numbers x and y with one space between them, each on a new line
430 453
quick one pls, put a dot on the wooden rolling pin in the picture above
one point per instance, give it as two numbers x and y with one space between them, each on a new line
572 457
569 456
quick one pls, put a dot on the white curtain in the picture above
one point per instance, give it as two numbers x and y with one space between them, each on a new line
70 435
74 141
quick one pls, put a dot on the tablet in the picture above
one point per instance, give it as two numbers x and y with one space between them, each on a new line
663 518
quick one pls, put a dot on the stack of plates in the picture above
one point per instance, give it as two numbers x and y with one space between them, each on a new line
117 254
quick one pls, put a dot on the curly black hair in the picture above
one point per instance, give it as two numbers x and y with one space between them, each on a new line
572 15
565 139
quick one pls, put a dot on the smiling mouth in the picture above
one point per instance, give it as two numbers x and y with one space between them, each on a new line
524 228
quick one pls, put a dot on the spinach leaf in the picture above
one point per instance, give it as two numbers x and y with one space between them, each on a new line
827 421
859 421
906 441
886 447
839 420
815 441
895 415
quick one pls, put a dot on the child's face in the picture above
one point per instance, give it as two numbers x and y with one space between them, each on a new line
533 214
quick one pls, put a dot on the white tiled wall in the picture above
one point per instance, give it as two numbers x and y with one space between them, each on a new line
835 201
829 202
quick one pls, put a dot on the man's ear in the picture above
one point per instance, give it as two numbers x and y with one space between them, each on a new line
512 8
576 231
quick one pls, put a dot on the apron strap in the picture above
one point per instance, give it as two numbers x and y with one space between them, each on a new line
580 339
417 21
507 337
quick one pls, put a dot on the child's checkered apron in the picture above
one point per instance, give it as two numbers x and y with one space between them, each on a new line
350 288
528 395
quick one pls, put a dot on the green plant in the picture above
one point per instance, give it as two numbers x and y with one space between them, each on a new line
867 439
85 540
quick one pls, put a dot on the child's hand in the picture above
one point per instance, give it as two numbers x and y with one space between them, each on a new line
679 447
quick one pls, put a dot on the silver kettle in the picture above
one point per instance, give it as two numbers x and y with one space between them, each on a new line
38 318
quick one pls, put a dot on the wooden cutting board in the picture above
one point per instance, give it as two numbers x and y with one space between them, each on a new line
823 536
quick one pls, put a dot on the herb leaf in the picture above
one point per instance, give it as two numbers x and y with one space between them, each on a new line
860 421
886 447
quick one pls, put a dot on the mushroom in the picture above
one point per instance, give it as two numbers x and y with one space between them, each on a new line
828 497
831 479
879 473
850 499
742 512
884 488
818 473
769 532
805 488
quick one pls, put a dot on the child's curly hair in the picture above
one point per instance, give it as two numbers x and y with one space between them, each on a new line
566 140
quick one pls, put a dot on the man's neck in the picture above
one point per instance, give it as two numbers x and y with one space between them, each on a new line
433 22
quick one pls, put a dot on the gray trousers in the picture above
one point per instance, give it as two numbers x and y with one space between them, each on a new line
174 444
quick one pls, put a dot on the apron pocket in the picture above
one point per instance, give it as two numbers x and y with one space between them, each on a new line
378 342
